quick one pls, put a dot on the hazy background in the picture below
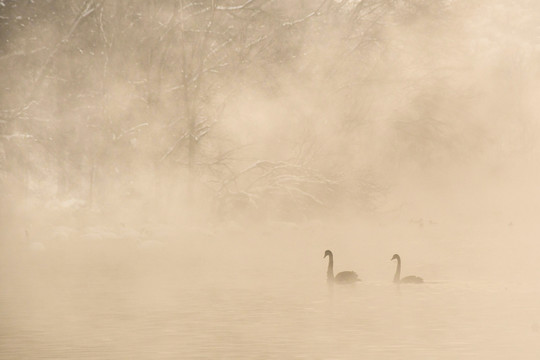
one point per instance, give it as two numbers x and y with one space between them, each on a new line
160 155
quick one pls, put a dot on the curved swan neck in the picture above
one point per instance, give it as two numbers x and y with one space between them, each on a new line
397 276
330 271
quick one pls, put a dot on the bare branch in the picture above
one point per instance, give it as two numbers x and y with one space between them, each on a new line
131 130
86 10
239 7
174 146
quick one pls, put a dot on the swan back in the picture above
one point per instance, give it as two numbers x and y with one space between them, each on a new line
346 277
411 280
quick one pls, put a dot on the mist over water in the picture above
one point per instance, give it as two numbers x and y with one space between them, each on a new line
172 172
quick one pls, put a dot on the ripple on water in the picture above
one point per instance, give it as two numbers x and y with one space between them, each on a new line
97 319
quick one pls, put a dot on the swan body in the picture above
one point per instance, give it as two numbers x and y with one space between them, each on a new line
407 279
411 280
344 277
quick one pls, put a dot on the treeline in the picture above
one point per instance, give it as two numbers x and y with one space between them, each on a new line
253 107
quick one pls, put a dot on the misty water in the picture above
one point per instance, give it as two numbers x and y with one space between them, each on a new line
172 172
231 295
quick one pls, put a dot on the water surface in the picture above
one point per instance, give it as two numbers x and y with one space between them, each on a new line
152 312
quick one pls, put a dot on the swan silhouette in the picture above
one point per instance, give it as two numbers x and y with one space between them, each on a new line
344 277
406 280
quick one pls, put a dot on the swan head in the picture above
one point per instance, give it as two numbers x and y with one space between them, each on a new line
327 253
396 256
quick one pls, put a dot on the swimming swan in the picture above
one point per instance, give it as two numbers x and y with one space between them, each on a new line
344 277
406 280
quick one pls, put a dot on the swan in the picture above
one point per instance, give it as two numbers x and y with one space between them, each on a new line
407 279
344 277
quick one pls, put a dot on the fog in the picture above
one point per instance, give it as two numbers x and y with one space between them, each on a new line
172 172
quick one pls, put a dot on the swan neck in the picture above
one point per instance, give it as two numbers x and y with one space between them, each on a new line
330 271
397 276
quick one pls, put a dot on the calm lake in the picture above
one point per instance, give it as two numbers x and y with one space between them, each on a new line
206 299
86 315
